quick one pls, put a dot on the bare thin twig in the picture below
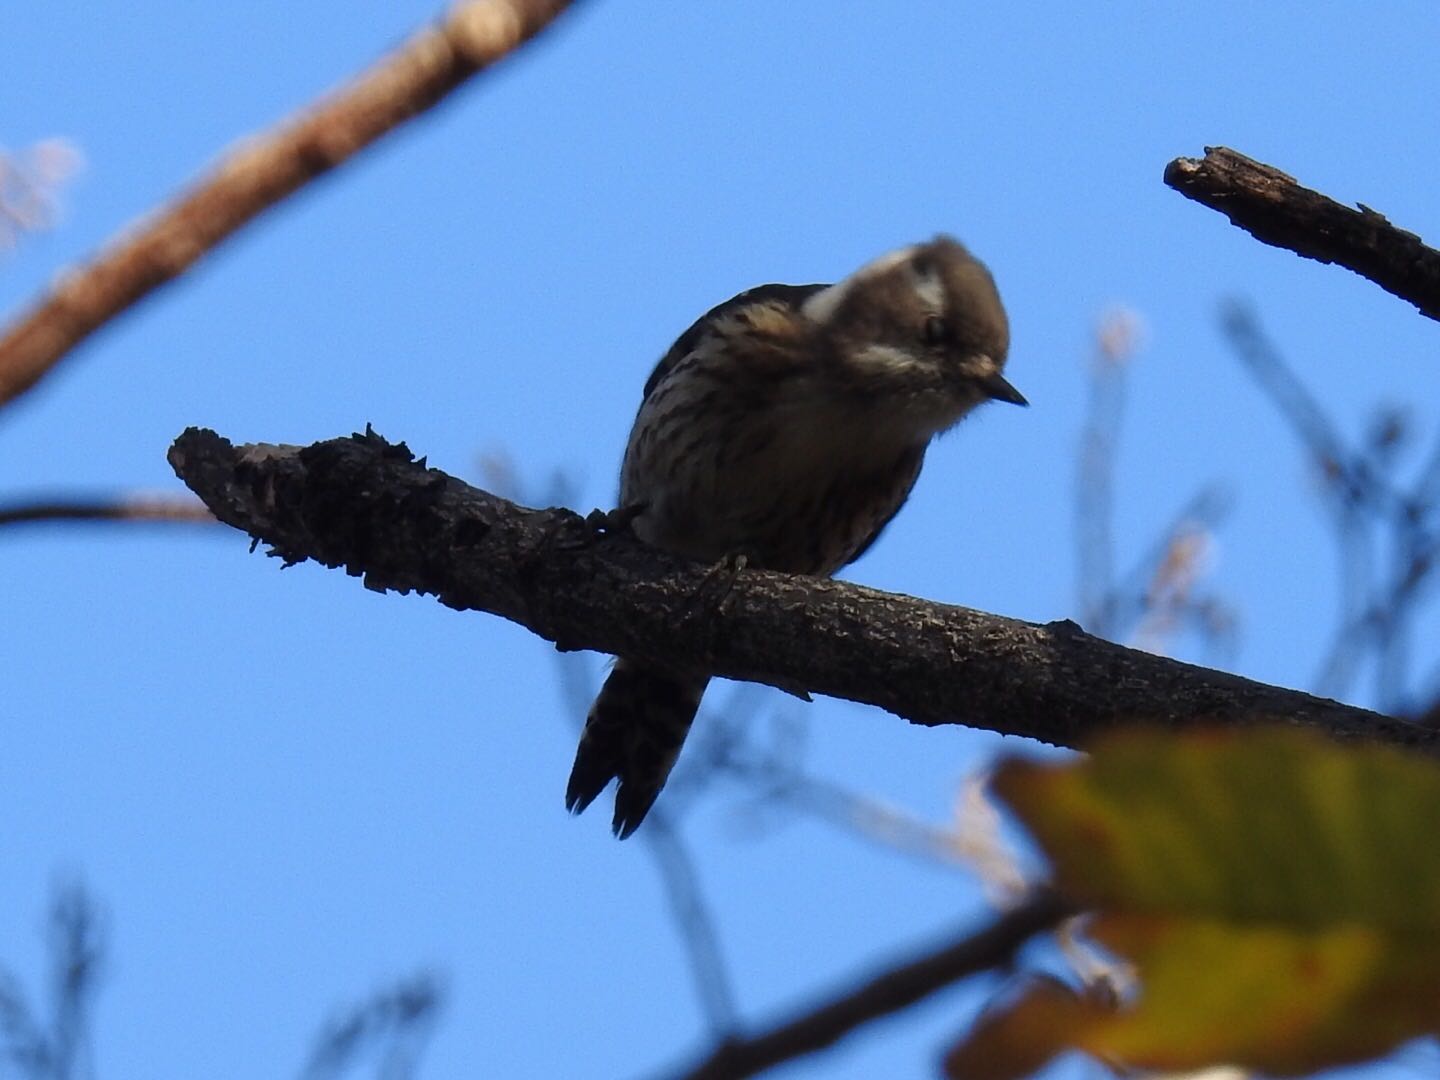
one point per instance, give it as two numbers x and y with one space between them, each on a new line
393 1026
870 819
159 508
896 989
779 782
57 1047
1372 510
367 505
1156 596
1276 210
261 172
689 907
1095 484
698 930
679 878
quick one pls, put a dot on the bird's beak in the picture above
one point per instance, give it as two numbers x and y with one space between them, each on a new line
1000 389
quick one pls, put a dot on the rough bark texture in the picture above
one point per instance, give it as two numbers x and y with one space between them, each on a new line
259 173
366 505
1274 208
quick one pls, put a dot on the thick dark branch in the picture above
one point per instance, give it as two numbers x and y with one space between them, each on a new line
1275 209
364 504
261 172
993 947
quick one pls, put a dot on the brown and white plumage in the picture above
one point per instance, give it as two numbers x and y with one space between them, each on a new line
787 425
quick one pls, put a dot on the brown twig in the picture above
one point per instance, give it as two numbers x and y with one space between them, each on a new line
1276 210
365 504
260 173
902 986
123 508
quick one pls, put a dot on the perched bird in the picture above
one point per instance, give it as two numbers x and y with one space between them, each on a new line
786 427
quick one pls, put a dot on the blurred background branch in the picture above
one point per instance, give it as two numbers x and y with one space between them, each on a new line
132 507
1159 595
30 184
872 998
264 170
53 1043
389 1029
662 837
1387 529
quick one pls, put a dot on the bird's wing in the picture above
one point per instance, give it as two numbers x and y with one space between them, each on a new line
788 295
910 463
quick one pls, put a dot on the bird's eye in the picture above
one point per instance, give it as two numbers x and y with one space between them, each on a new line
936 331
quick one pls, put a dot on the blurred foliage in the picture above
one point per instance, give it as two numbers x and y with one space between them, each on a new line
1277 894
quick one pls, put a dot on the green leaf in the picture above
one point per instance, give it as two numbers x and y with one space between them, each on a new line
1279 895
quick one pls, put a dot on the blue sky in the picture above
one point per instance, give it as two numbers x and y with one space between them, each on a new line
287 790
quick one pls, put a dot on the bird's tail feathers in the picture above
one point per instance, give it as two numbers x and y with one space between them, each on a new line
634 733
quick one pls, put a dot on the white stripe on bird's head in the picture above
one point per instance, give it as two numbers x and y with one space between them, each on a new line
822 306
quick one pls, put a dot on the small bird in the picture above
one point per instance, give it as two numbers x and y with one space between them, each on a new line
786 428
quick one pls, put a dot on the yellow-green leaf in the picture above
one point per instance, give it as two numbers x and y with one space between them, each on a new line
1268 824
1278 894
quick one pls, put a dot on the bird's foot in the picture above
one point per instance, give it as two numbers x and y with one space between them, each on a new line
713 592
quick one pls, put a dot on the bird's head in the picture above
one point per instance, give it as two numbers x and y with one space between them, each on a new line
924 325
